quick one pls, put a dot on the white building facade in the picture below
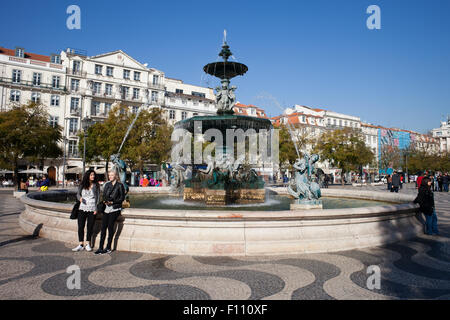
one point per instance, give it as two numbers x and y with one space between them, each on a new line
184 100
75 87
443 135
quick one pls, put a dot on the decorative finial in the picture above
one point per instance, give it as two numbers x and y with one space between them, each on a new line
224 36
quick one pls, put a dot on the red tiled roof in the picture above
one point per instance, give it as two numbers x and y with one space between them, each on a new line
244 108
27 55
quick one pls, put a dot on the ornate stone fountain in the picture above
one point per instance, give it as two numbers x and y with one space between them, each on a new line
227 178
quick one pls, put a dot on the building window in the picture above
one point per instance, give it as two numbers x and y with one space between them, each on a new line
54 101
73 125
195 102
184 101
107 108
53 121
76 67
97 87
126 74
35 97
172 114
108 89
154 96
345 123
16 76
183 115
55 82
20 52
125 91
109 71
95 108
340 123
198 94
155 80
74 104
74 85
15 95
135 109
137 76
55 59
180 91
73 148
135 93
98 69
37 79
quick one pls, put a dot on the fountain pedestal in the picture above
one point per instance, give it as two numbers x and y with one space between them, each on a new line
306 204
223 197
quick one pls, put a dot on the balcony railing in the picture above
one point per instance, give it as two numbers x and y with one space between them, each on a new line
75 112
76 72
156 86
26 83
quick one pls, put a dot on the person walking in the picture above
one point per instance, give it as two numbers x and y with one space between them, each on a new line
445 181
419 180
439 182
425 198
389 182
395 182
89 196
23 185
113 197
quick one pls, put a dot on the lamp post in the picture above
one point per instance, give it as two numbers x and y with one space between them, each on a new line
86 123
64 154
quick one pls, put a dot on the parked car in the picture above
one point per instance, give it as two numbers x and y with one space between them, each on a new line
8 183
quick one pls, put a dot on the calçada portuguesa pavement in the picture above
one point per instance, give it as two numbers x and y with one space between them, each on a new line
36 268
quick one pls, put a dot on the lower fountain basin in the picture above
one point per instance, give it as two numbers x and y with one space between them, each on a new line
239 231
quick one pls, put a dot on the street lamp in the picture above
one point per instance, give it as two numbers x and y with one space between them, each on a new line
86 123
65 150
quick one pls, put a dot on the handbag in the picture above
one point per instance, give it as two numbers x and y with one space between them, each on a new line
74 213
101 207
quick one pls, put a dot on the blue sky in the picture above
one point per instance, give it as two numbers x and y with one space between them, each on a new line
316 53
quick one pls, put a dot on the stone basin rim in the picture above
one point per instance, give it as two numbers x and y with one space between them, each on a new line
240 215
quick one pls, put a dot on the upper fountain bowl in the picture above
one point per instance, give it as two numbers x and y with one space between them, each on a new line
225 69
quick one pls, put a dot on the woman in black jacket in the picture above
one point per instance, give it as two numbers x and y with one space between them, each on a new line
113 197
425 199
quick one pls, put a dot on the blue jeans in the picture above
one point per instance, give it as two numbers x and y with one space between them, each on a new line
431 223
446 187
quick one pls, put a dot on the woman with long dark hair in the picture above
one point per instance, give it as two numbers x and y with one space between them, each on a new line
89 196
425 199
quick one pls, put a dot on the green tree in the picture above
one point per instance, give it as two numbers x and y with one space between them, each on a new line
390 157
344 149
104 138
25 133
149 140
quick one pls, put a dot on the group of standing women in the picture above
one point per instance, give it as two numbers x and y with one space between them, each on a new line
90 205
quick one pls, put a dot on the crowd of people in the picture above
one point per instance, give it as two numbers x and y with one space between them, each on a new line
439 181
144 181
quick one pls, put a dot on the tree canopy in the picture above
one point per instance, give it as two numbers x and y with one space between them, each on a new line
344 149
25 133
148 141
